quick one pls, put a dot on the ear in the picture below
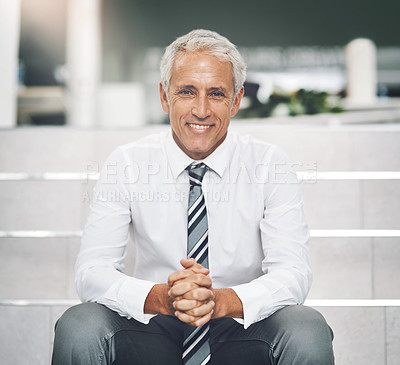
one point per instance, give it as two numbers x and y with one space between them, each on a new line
237 101
164 99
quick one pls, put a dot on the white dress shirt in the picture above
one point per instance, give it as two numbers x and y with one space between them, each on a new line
258 237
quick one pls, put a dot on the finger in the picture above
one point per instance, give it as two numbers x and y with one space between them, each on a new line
191 315
199 294
184 305
193 265
199 280
184 274
182 288
195 321
202 310
192 299
178 275
203 320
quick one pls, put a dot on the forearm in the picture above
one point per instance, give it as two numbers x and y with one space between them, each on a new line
158 300
227 304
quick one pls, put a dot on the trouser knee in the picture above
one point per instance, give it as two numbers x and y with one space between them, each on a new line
80 321
80 332
91 333
306 337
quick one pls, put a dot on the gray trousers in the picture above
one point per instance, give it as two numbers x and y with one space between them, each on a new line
93 334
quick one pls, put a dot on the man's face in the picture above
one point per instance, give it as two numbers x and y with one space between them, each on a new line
201 102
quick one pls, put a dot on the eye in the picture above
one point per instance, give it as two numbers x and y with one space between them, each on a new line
218 94
185 92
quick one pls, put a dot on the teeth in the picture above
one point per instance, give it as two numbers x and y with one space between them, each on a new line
198 126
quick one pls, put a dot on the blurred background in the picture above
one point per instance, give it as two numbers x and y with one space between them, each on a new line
80 77
95 63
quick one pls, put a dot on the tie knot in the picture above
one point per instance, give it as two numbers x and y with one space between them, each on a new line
197 171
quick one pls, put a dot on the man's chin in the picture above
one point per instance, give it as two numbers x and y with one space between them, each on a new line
198 153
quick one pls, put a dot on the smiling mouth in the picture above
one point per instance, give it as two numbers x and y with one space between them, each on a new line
199 126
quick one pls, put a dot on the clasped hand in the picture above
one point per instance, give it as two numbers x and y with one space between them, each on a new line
191 293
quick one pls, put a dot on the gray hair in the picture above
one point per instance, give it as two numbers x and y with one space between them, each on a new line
211 42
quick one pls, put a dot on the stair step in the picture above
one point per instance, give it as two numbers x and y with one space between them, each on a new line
334 148
40 267
333 204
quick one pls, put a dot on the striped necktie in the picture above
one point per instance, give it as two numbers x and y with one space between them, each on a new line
196 346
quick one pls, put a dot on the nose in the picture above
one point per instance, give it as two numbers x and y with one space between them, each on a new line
201 108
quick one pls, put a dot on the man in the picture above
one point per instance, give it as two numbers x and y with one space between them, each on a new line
222 263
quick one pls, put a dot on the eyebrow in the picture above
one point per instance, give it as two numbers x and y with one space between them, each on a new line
219 89
215 88
186 87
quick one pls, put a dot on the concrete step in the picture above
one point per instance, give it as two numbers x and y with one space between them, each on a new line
332 148
344 268
363 204
355 268
329 204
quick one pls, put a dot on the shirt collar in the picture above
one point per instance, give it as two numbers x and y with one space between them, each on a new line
178 160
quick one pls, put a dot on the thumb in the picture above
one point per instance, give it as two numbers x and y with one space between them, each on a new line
191 264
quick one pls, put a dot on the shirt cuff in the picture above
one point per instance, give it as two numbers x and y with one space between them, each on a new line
256 300
128 298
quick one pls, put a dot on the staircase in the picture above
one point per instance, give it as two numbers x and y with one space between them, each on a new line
350 176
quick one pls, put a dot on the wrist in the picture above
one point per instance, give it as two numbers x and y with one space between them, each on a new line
219 308
157 301
227 304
